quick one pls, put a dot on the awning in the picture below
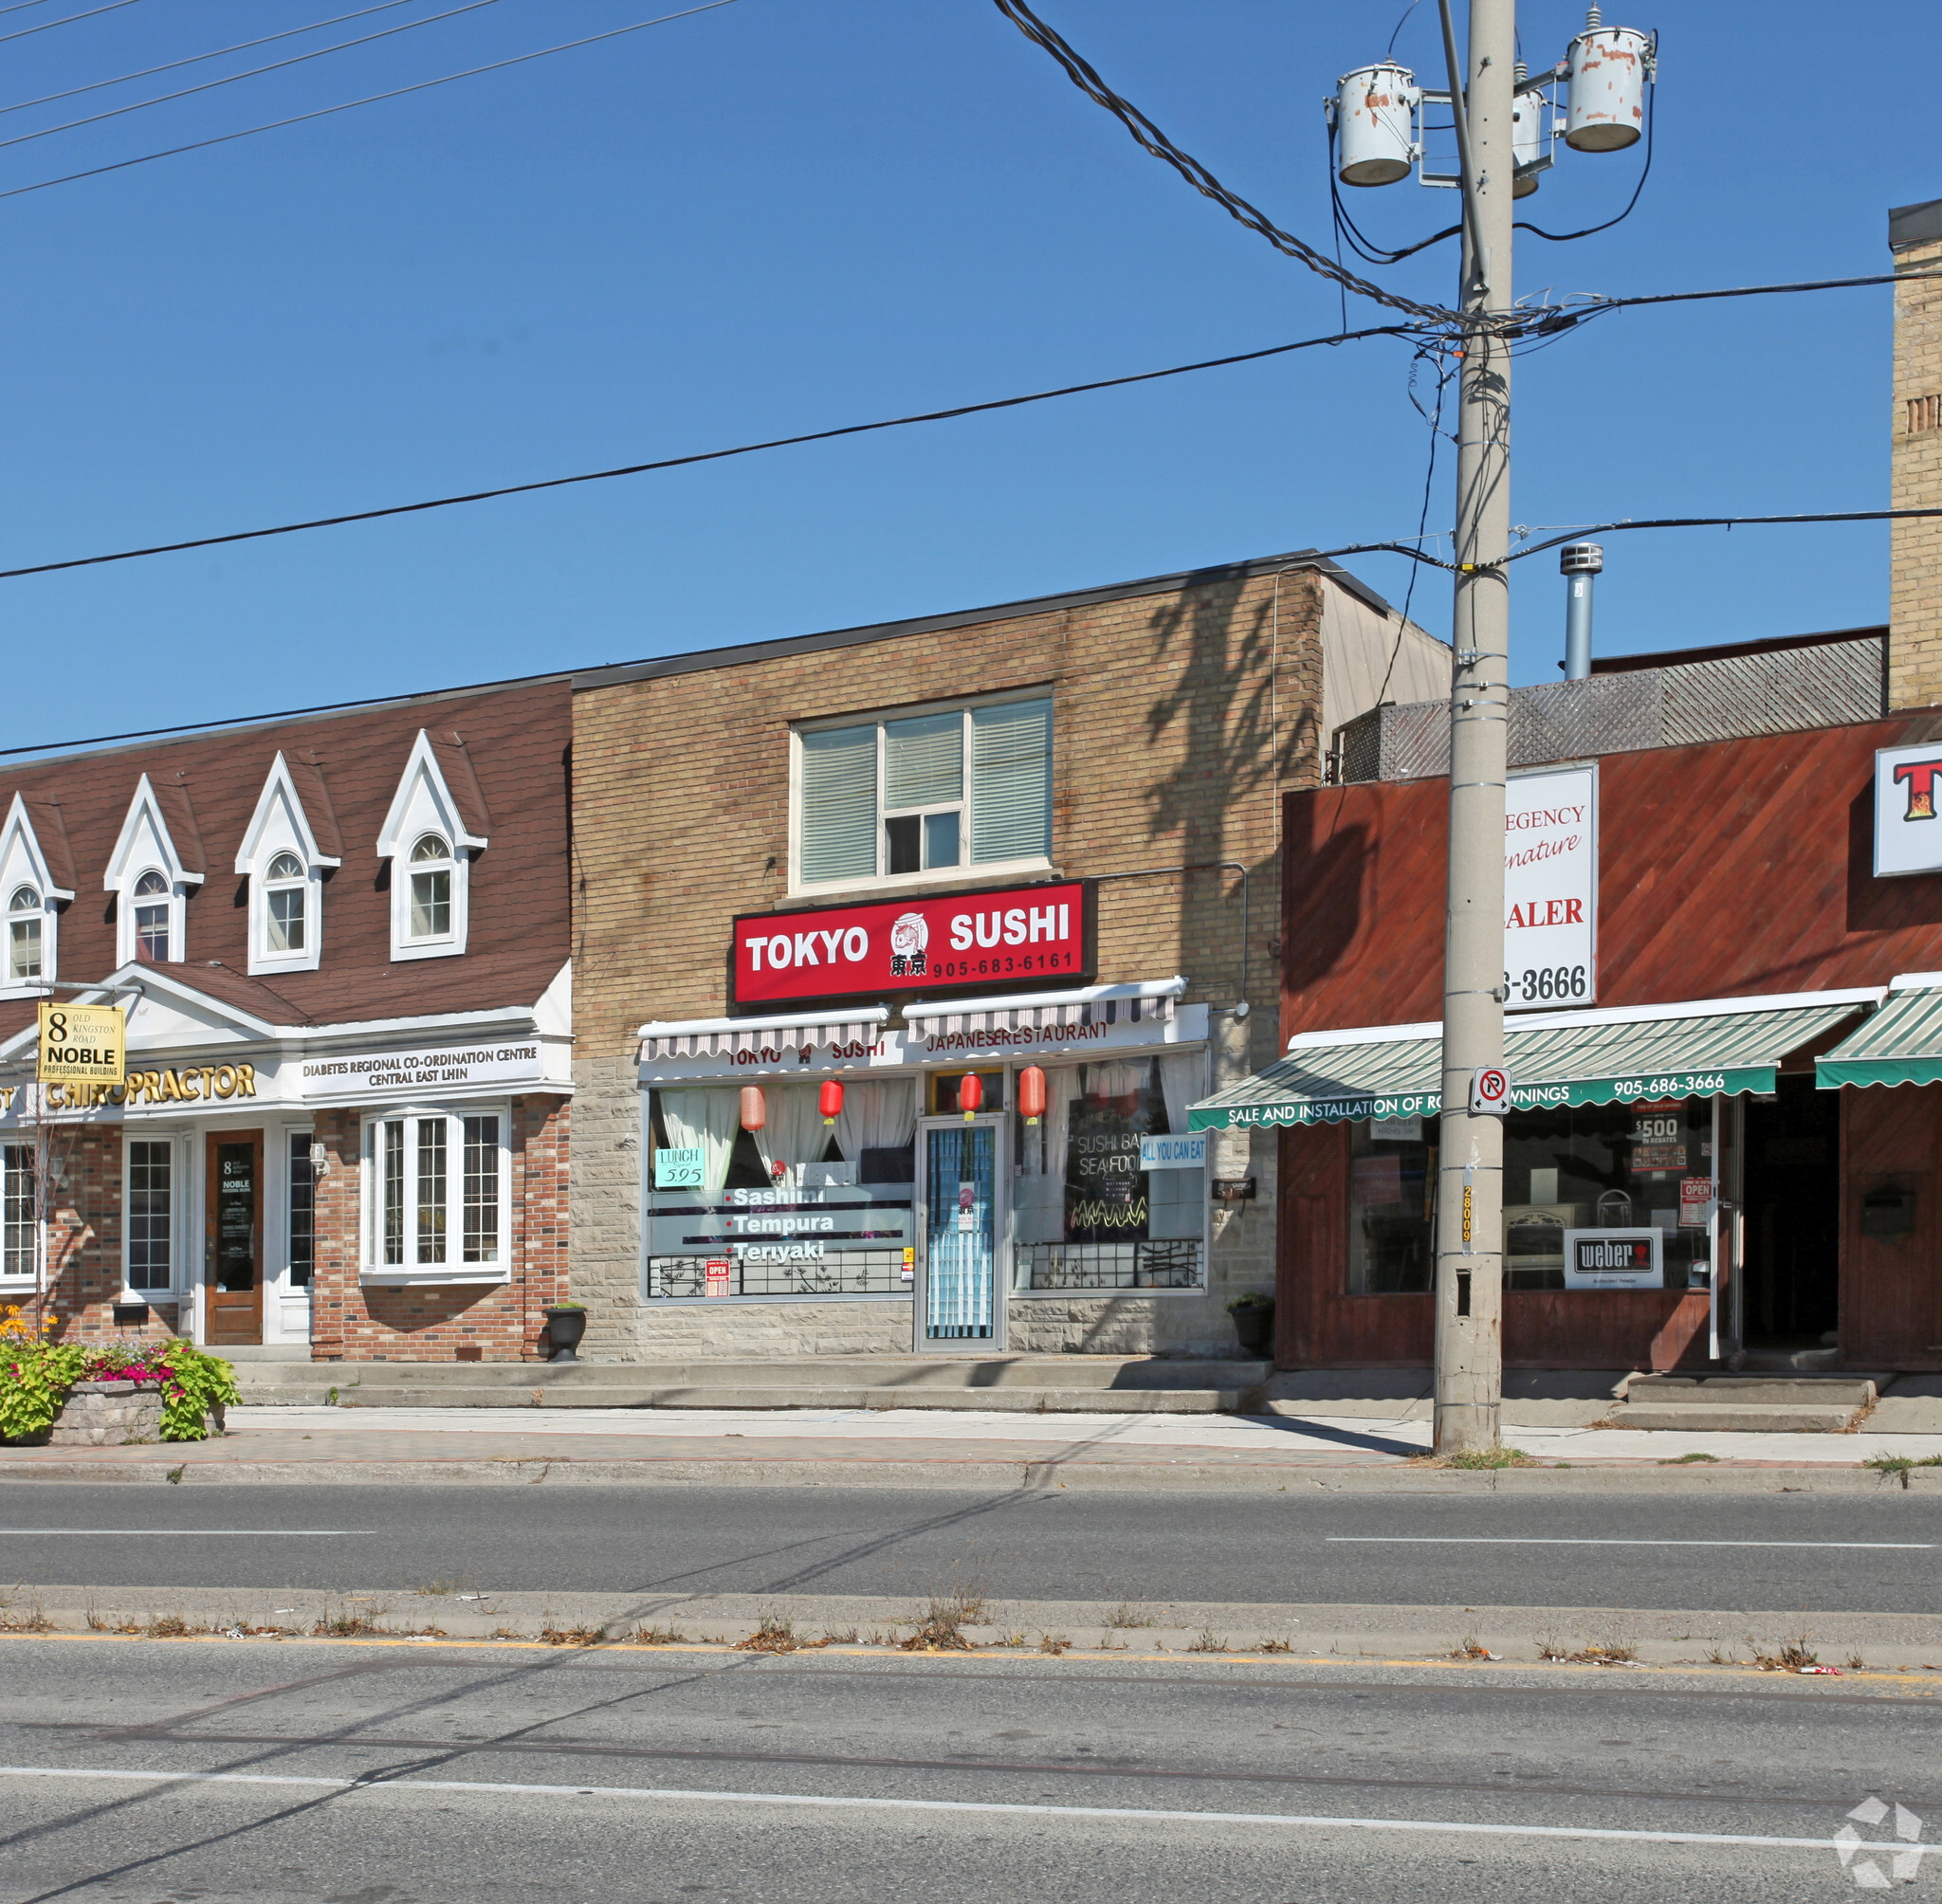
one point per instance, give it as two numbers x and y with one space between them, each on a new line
1621 1055
1147 1001
1899 1044
723 1038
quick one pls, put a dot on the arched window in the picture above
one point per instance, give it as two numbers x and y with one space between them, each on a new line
23 935
285 890
152 919
430 915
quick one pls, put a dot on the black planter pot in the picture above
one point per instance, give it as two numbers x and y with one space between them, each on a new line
1254 1324
564 1328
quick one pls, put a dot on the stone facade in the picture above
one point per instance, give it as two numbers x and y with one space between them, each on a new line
1914 663
1182 711
108 1415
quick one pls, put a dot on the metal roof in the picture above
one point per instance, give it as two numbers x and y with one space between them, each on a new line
1627 1054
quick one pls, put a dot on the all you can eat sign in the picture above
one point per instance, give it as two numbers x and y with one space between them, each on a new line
995 940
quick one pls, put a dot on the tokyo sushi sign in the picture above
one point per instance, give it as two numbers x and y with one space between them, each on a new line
1015 938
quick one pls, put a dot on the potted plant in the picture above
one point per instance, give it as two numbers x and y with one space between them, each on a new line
565 1324
1254 1322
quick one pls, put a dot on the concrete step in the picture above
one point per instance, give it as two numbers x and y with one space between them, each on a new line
773 1395
1743 1418
1786 1391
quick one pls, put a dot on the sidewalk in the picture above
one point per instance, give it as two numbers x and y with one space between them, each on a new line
962 1448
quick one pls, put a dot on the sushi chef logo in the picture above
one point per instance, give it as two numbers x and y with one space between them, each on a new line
1905 1860
909 937
1920 776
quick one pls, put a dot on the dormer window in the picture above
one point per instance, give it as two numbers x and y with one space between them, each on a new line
23 913
152 919
284 895
434 831
430 888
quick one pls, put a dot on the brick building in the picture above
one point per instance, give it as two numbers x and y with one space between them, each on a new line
1914 238
1033 846
341 944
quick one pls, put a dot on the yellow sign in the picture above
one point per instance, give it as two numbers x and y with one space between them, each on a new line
83 1044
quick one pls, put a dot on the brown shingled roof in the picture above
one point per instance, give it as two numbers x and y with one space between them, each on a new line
507 760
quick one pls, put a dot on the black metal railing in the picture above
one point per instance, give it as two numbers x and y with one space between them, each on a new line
1169 1265
841 1273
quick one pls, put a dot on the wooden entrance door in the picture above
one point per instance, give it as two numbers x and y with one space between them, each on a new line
232 1249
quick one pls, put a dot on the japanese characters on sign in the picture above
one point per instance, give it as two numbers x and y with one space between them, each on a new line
989 940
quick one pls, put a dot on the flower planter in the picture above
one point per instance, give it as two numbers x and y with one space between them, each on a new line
564 1328
1253 1322
108 1415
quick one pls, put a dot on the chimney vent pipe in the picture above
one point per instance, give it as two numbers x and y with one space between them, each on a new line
1579 563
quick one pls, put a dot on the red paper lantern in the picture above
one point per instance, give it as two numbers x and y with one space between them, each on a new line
754 1107
1032 1093
970 1093
829 1099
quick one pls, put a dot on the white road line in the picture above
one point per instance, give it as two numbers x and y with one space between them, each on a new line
1544 1540
678 1795
225 1533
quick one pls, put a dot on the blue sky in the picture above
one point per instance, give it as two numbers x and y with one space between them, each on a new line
788 214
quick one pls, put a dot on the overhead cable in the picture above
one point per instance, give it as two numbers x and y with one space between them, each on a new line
370 98
705 455
49 26
1152 139
251 73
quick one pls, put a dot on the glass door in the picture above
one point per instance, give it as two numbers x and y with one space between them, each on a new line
232 1248
960 1192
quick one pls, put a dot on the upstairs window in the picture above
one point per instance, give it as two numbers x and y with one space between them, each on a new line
431 906
285 887
151 910
926 794
24 915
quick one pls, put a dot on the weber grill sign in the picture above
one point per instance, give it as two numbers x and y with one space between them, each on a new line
1005 938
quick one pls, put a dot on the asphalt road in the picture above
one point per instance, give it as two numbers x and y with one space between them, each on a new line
393 1775
1879 1553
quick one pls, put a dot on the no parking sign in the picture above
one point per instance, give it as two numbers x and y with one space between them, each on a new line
1490 1092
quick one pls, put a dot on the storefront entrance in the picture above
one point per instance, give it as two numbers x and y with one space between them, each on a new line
1791 1287
961 1186
232 1250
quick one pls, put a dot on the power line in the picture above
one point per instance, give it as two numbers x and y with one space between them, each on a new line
253 72
49 26
1149 137
1725 522
370 98
705 455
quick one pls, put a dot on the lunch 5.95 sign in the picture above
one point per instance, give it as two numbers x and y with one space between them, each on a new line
1010 938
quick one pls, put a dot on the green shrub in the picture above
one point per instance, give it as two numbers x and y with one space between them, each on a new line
35 1377
34 1380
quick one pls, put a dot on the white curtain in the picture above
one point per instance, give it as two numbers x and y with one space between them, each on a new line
705 1121
877 1114
795 1133
1182 1076
1061 1088
1117 1080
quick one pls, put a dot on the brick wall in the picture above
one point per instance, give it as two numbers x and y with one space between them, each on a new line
352 1323
1179 717
1915 644
84 1204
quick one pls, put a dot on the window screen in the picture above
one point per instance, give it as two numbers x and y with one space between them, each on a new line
924 761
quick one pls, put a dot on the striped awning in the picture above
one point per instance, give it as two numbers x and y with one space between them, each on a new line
1629 1055
725 1038
1899 1044
1147 1001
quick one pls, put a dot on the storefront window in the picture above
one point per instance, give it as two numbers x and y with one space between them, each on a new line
413 1159
151 1209
303 1211
1595 1166
1086 1212
18 1230
796 1208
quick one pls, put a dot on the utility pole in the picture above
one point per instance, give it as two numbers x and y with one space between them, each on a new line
1470 1199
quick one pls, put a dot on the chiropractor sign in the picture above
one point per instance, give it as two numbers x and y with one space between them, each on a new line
1015 938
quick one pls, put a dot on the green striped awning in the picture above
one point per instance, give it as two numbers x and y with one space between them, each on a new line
1636 1053
1899 1044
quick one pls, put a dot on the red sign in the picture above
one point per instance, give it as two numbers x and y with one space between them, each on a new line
717 1277
1004 939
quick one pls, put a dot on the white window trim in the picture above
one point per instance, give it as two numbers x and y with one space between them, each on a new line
373 1272
143 846
23 863
424 804
15 1286
279 825
180 1199
964 874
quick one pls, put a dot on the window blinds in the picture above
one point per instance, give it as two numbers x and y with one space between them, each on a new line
839 804
1011 781
924 761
